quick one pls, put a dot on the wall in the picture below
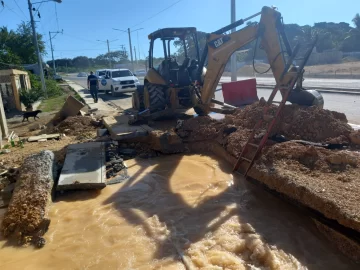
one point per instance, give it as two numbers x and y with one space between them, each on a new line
10 85
6 91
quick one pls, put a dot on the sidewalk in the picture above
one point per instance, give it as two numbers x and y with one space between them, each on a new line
101 107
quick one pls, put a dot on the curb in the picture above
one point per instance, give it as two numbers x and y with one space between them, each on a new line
101 105
321 89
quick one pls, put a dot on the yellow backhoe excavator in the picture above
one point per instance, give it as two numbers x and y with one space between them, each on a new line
192 83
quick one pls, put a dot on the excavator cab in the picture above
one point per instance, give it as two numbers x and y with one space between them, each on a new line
173 72
168 82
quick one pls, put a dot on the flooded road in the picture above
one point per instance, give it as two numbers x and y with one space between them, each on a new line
177 212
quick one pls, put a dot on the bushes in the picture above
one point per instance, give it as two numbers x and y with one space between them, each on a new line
52 89
29 97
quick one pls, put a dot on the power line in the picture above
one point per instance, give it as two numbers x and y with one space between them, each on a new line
83 39
20 8
157 13
13 11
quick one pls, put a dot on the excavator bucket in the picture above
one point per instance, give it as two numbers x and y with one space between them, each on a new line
240 93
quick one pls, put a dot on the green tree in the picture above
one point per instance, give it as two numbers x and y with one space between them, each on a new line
190 45
81 62
16 47
356 21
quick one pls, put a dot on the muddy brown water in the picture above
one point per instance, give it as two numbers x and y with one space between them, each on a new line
177 212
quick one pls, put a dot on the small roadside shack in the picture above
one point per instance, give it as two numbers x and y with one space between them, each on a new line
11 82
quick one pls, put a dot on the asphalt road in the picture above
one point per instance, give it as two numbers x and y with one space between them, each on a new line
345 103
308 82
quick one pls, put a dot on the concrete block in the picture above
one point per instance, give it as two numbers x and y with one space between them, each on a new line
101 132
71 107
120 129
43 137
84 167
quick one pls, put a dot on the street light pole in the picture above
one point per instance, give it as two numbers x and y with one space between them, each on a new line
37 50
131 54
130 46
233 57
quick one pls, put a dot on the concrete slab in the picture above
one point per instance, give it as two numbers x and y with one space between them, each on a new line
71 107
119 128
44 136
84 167
101 106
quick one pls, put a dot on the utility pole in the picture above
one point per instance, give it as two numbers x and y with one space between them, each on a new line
52 50
109 52
37 50
233 57
137 35
108 46
135 55
130 47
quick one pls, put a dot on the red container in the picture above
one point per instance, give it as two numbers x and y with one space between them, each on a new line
240 93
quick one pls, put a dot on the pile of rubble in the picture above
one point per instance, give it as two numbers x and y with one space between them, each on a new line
305 123
77 125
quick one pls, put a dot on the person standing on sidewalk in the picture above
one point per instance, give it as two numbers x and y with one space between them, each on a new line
93 86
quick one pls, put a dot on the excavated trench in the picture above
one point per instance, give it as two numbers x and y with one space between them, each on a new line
181 211
305 169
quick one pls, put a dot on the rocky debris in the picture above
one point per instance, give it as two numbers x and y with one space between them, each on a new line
26 217
7 184
77 125
325 180
114 158
200 129
166 142
36 127
355 137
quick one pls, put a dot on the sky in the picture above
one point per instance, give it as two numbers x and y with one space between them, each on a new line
85 21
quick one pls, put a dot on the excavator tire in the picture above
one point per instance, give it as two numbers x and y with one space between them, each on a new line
138 99
154 97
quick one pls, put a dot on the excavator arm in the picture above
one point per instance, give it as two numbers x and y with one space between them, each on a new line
220 47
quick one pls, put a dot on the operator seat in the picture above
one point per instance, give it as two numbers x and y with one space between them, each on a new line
192 69
183 74
167 68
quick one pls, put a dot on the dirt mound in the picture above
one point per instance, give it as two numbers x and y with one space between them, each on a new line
306 123
200 128
325 180
76 125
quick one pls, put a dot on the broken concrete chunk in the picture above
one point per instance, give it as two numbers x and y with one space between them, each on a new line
42 137
355 137
342 158
84 167
101 132
35 181
34 127
166 142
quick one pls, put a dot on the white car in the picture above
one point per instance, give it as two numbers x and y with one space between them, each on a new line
140 72
118 81
82 74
